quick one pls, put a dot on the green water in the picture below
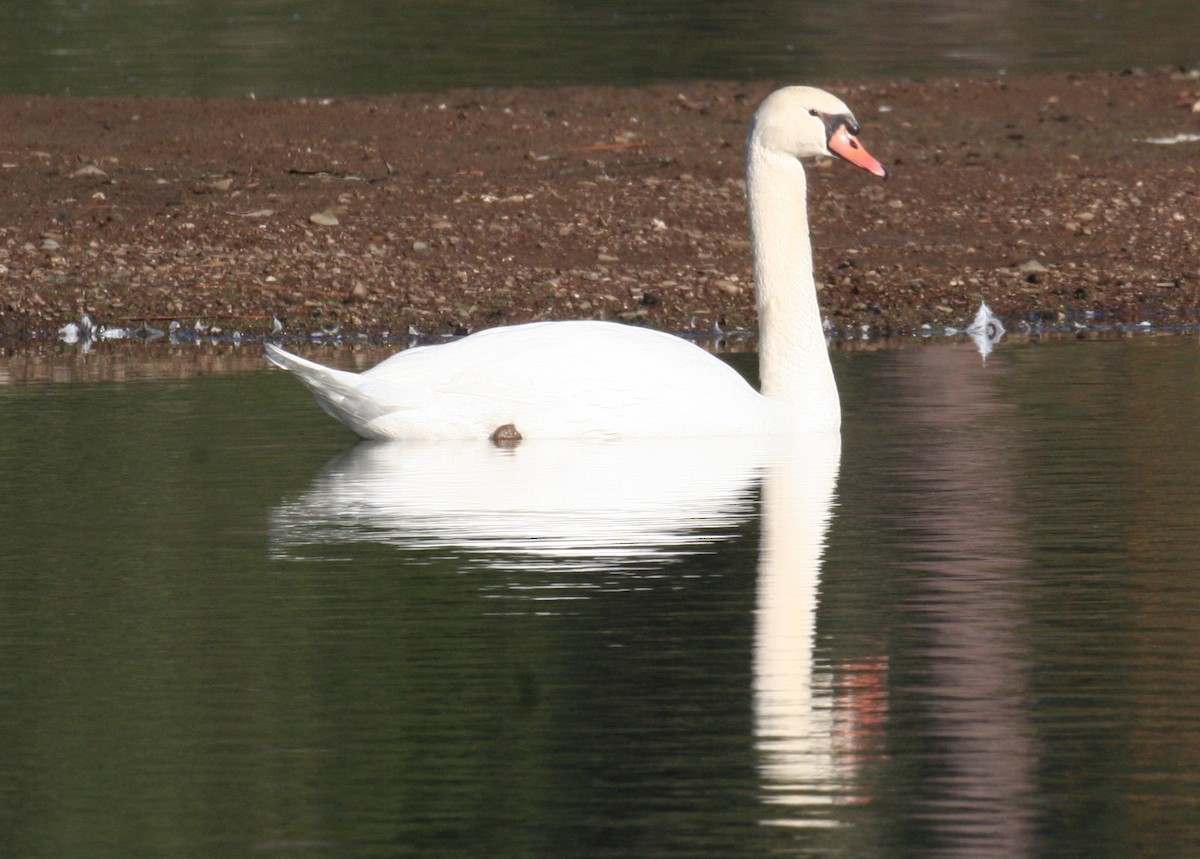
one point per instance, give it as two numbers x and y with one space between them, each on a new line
224 633
302 47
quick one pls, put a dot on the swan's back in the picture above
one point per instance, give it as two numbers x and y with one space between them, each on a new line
573 379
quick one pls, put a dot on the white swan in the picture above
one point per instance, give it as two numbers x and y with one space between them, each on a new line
583 379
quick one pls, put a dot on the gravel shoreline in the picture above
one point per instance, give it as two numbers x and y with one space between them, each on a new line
449 212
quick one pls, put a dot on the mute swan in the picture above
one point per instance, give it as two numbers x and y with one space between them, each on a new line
580 379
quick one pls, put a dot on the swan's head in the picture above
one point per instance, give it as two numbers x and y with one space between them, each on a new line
805 122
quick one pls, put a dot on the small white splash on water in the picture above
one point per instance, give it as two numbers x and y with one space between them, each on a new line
69 333
986 330
1183 137
75 332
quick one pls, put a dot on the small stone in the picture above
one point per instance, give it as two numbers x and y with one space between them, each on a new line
90 170
606 258
420 247
49 244
1031 266
324 219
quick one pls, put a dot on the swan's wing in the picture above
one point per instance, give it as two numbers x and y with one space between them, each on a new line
564 358
577 378
551 380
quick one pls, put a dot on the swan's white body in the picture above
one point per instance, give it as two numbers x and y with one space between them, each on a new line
602 379
573 379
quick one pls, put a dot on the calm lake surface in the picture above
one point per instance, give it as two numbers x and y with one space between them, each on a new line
970 629
322 48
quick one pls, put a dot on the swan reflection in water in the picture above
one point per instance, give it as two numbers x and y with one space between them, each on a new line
574 506
582 510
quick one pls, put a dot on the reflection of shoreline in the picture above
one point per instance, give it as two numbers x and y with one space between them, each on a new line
128 361
971 609
49 361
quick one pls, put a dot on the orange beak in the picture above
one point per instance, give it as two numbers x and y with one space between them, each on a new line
845 145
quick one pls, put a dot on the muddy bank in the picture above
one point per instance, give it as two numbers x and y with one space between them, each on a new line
461 210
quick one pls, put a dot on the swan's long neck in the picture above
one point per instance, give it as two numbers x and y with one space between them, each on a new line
793 357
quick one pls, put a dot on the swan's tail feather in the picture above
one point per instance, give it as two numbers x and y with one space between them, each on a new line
349 397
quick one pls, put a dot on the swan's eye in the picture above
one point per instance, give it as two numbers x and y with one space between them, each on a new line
813 112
